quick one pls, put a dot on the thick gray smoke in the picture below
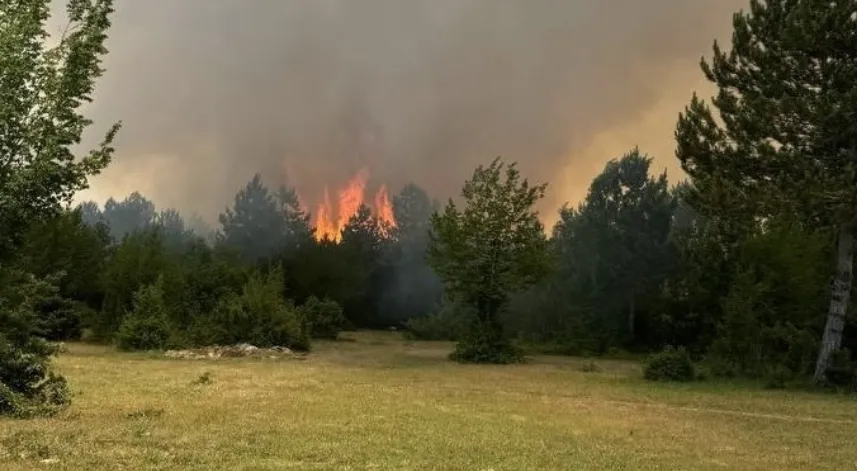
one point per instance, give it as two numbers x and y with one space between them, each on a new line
213 91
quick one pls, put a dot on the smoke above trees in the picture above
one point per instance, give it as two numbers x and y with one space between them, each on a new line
213 92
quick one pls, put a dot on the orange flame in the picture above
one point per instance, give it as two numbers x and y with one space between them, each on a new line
351 196
383 207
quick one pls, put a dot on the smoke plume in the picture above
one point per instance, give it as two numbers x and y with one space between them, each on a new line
213 91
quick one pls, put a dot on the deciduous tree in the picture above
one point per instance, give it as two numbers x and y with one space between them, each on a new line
491 247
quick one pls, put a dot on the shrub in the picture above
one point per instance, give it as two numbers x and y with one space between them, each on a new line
147 326
27 385
671 364
259 315
486 348
484 342
267 319
60 318
324 318
445 323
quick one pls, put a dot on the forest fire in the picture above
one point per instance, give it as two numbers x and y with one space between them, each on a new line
330 218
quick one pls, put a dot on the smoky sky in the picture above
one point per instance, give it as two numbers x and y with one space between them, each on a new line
212 91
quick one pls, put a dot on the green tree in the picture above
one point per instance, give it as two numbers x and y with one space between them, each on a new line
492 247
630 215
41 92
785 141
132 214
364 247
297 228
254 224
135 262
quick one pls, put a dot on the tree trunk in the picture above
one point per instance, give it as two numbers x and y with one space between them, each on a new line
839 298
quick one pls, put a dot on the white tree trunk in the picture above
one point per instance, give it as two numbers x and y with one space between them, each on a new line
839 298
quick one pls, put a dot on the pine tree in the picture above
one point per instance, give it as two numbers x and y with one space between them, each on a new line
786 140
254 225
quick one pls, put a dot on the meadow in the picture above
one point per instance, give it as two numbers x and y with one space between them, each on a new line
378 401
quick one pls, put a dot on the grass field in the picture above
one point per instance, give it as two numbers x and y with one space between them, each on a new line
379 402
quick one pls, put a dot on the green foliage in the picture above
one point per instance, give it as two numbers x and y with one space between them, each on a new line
41 92
138 261
147 326
261 224
781 142
27 384
324 318
768 312
60 318
671 364
486 344
259 316
446 323
493 247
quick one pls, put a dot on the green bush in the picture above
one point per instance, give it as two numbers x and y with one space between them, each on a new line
27 385
267 318
484 342
259 316
671 364
60 318
485 347
324 318
445 323
147 326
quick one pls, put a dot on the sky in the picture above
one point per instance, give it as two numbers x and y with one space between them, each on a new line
211 92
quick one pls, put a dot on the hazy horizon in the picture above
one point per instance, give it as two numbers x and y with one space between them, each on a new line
212 92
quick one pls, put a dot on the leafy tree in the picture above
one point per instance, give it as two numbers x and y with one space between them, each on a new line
177 236
254 224
41 91
66 246
612 254
628 216
91 214
492 247
136 262
785 142
72 254
134 213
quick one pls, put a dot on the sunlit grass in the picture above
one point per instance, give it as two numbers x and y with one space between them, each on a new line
379 402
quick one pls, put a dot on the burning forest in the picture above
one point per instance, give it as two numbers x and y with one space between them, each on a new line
330 217
359 142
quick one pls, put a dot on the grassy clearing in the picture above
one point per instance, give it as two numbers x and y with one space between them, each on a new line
379 402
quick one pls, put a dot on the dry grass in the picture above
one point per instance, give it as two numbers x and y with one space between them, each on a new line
382 403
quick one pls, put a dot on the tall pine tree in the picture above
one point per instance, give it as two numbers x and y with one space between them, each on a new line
786 140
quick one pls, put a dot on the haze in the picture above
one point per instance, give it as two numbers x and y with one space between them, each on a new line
213 91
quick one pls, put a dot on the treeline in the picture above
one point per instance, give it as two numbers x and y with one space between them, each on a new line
217 288
632 267
746 267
